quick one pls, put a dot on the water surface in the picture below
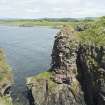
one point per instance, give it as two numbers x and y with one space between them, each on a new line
28 50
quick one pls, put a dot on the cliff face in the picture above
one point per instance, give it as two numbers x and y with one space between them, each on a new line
76 77
91 68
59 86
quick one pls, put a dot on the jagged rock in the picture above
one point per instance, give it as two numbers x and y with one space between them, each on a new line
52 93
91 73
63 54
62 87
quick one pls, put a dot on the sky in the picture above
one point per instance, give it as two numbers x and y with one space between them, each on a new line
51 8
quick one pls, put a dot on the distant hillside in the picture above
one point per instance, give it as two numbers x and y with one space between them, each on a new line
50 22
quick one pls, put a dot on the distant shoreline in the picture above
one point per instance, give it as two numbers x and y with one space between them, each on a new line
30 23
51 23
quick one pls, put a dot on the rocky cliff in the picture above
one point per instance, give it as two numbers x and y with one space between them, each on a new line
5 81
91 71
77 74
59 85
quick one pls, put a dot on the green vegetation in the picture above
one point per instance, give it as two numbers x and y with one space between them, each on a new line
95 34
31 23
53 23
41 78
45 75
5 78
5 100
5 70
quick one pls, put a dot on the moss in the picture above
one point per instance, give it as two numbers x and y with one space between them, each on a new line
5 70
43 75
5 100
74 87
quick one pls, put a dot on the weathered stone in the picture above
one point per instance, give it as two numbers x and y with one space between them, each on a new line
63 54
62 87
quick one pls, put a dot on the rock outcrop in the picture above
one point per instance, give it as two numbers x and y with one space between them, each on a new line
90 63
64 56
76 77
5 81
59 85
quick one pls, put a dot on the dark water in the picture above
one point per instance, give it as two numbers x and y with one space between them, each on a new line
28 51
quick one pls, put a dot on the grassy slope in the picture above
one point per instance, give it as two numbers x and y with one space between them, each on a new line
5 74
5 101
95 34
5 78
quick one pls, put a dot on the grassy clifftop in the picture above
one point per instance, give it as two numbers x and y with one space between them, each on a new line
95 34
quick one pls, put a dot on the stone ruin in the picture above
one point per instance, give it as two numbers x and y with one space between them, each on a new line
64 56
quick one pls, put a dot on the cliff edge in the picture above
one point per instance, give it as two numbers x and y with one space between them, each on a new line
59 85
77 73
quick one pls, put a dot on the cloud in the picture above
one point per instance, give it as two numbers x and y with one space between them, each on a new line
51 8
36 10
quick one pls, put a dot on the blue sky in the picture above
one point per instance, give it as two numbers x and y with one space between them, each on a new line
51 8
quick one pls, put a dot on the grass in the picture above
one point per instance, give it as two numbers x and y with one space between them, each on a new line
5 100
33 23
40 76
29 22
44 75
40 79
95 35
5 70
5 78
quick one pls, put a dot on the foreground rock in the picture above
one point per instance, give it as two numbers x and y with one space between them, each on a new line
47 92
5 81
